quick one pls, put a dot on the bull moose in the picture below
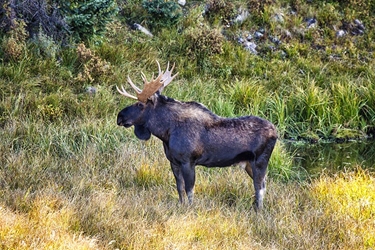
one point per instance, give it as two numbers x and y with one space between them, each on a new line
193 135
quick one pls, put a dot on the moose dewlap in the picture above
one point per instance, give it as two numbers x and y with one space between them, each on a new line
193 135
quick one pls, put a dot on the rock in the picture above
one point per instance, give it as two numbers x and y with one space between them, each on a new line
258 35
182 2
340 33
359 24
250 46
143 29
244 14
311 23
359 28
91 90
240 40
275 40
278 17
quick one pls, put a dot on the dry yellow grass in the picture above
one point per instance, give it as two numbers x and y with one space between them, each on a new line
45 226
349 200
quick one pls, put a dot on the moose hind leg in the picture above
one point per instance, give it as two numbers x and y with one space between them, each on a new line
248 169
179 181
259 171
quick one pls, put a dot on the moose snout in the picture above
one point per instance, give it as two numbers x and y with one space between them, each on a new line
122 122
119 121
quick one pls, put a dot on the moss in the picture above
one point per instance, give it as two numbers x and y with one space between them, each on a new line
345 134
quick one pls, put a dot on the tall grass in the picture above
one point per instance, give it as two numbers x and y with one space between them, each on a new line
125 198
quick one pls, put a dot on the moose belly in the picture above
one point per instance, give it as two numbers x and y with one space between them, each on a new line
225 159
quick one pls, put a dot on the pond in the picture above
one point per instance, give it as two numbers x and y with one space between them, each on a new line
333 157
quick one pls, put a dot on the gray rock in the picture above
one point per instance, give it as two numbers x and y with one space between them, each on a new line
91 90
182 2
143 29
250 46
340 33
240 18
278 17
258 35
311 23
359 24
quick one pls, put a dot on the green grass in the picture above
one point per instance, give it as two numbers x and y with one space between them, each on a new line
70 178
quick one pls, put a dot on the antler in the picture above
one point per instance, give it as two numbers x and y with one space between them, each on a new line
150 87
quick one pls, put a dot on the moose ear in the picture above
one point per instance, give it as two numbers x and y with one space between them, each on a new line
153 99
142 132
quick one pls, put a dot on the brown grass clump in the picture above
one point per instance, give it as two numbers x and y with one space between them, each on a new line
93 66
14 44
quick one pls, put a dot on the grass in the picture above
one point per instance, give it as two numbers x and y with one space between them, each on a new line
94 186
70 178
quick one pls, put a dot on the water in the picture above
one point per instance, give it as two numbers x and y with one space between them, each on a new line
333 156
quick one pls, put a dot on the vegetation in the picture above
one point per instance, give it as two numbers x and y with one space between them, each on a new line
71 179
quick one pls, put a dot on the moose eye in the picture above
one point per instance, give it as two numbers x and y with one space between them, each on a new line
140 105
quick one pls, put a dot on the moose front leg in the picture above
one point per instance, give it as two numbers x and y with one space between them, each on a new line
188 172
179 181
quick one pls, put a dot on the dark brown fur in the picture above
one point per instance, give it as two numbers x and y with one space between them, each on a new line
192 135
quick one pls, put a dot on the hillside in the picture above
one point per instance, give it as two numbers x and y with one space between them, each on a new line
306 66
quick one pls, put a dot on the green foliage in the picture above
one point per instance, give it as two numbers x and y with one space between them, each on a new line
88 19
45 45
162 13
282 167
220 9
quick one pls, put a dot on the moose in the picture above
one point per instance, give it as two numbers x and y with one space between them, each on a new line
193 135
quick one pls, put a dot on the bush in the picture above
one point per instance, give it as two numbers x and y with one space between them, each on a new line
93 66
203 41
38 15
88 19
14 44
162 13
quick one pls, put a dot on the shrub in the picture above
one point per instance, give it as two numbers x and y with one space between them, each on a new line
88 19
15 42
162 13
225 10
38 15
203 41
93 65
45 45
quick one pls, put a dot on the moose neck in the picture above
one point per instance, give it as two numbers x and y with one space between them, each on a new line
168 114
161 118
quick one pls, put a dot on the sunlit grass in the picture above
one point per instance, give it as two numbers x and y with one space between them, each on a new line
47 225
108 190
348 199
